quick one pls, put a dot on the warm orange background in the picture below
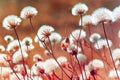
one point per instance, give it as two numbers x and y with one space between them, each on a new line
56 13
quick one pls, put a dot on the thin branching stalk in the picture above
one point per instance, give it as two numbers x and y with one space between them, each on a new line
21 51
109 49
79 67
51 52
56 76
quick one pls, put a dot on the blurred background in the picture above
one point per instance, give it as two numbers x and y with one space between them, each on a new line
56 13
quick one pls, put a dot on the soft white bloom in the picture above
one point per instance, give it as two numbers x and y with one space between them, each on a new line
102 43
11 21
37 68
28 48
36 39
37 57
116 53
55 37
77 35
28 12
112 74
82 58
95 64
86 21
27 41
17 57
79 9
8 38
94 37
45 31
102 15
62 60
13 45
2 48
50 65
73 49
116 12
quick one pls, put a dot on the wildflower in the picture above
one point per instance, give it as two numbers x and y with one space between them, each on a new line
10 22
94 37
28 12
73 49
37 57
102 15
27 41
52 65
38 68
86 21
77 34
62 60
54 38
117 63
8 38
17 57
79 9
95 64
112 74
13 46
116 12
116 54
102 44
2 48
82 58
45 31
119 34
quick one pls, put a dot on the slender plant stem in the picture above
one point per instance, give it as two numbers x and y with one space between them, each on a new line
79 67
109 49
13 70
21 52
51 52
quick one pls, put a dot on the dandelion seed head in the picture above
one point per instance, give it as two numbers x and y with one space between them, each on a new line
86 21
116 53
102 44
116 12
102 15
8 38
94 37
28 12
10 22
79 9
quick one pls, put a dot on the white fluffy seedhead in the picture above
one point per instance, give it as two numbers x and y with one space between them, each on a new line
10 22
95 64
102 15
94 37
28 12
8 38
87 21
82 58
116 53
79 9
77 34
45 31
116 12
50 65
62 60
101 43
112 74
